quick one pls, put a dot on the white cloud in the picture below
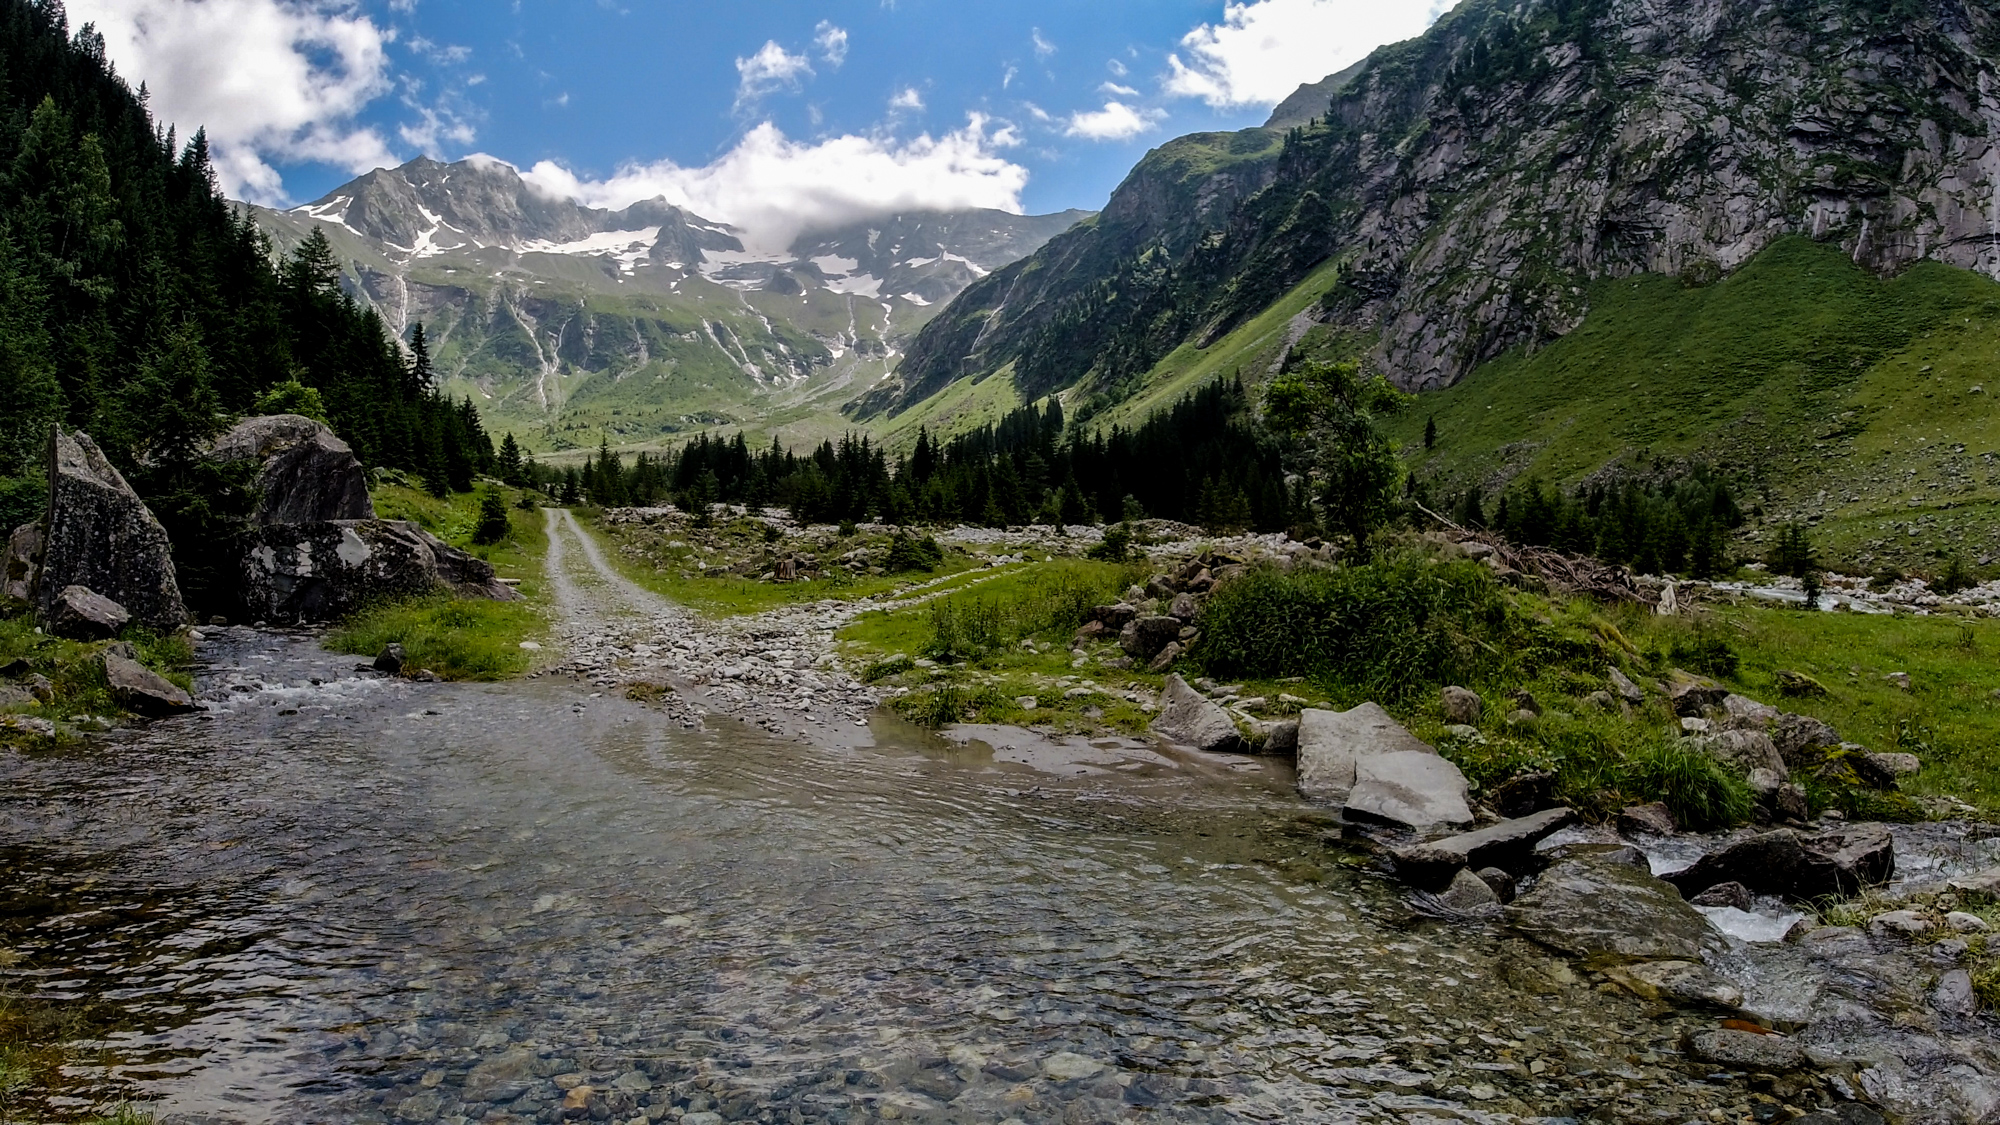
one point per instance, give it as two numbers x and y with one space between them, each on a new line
771 68
832 43
1043 48
1116 90
909 98
1007 76
270 79
774 188
1263 51
1115 122
440 53
1117 69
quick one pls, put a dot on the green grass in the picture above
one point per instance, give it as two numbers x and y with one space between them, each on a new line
458 638
1818 384
76 669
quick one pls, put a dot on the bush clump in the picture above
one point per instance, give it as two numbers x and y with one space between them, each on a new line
910 552
1391 629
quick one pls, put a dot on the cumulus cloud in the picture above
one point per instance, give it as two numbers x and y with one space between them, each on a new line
1263 51
1115 122
775 189
772 68
270 79
908 98
832 42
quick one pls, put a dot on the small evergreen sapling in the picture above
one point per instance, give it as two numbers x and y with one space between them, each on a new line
493 525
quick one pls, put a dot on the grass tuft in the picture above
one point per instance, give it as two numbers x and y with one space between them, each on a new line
457 638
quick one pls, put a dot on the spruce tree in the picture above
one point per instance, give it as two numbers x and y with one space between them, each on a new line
510 460
493 525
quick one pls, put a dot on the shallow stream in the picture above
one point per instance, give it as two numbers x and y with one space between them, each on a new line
364 901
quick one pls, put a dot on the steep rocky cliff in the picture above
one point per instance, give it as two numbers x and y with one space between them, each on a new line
1470 183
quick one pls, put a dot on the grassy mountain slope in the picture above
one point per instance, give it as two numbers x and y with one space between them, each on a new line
1866 407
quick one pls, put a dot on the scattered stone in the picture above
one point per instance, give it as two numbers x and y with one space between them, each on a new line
100 535
1900 922
1981 884
1745 751
1468 735
1525 794
391 659
1410 789
1144 637
1188 718
1734 895
1790 803
1764 785
530 646
1895 765
27 727
1067 1066
1331 741
1899 680
141 690
39 686
23 561
82 614
502 1077
1278 738
1686 984
1521 718
1166 658
1469 894
1027 702
1695 727
1954 995
1502 882
1647 820
1184 608
1692 695
1746 1050
1462 707
1623 687
1962 923
1798 685
1508 845
1601 701
305 474
1798 736
1798 867
1524 701
1745 713
1594 907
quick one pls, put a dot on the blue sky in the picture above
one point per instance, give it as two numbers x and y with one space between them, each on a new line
759 108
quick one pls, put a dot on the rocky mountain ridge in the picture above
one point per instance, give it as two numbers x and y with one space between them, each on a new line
1468 185
560 318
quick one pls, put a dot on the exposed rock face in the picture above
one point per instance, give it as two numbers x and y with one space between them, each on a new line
322 571
1189 718
100 535
305 474
1747 751
83 615
1408 789
24 559
1476 197
142 691
1746 1050
1655 819
1795 866
1599 910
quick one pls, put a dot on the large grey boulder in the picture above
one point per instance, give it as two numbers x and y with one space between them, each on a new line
324 571
1188 718
1796 866
141 690
24 559
1745 751
81 614
1508 845
1331 741
305 474
1144 637
1599 909
1797 737
1408 789
100 535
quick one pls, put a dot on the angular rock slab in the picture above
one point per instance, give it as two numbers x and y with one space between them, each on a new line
1796 866
143 691
100 535
1331 742
1605 912
84 615
24 559
324 571
305 474
1408 789
1508 845
1188 718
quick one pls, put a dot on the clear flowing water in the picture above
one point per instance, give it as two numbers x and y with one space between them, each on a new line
372 901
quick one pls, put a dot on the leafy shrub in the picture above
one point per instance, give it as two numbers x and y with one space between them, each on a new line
1701 792
1955 576
292 397
962 629
1707 654
1116 546
908 552
1392 629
